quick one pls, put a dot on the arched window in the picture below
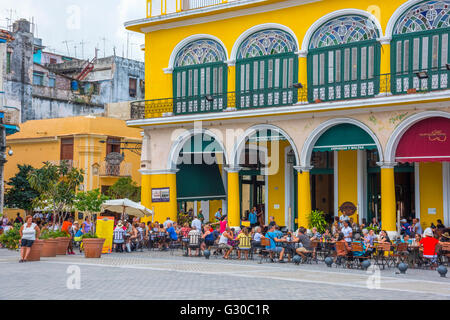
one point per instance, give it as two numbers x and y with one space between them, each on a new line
266 69
420 48
344 59
200 77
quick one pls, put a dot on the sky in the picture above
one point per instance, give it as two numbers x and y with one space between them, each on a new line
95 23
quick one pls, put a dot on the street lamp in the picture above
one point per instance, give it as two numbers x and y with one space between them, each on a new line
422 75
297 85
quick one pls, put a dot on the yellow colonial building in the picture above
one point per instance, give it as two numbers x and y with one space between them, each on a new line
297 105
94 144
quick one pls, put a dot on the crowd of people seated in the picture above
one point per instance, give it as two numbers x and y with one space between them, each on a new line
196 237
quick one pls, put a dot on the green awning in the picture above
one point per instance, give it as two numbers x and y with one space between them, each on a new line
345 137
201 144
199 182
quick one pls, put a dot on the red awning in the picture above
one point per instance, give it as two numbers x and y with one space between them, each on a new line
426 141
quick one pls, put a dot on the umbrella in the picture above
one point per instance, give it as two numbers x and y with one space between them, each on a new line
126 206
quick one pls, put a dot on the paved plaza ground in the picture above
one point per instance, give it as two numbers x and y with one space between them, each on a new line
162 276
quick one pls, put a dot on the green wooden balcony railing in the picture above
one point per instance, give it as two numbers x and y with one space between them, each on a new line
381 85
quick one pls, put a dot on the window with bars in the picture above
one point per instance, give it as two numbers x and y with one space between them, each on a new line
344 72
266 81
200 88
200 78
419 61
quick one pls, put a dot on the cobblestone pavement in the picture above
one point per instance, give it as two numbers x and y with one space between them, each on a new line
160 275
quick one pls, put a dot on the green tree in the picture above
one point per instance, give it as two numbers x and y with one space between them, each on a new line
57 185
125 188
90 202
21 194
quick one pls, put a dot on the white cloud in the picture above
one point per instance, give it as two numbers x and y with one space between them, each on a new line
87 21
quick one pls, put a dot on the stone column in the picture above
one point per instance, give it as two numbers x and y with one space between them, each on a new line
388 202
234 207
304 195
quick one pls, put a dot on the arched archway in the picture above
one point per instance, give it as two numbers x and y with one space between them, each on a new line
423 141
198 158
262 162
341 155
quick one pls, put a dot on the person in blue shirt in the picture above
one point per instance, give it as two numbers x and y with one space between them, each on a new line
252 217
363 253
172 233
405 227
274 238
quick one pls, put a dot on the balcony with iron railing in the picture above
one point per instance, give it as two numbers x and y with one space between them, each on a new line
379 86
107 169
164 7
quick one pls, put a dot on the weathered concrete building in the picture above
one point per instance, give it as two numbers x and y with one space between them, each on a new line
44 85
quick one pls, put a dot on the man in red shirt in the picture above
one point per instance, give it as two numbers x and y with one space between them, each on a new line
429 243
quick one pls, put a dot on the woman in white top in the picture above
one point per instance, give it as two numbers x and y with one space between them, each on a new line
28 233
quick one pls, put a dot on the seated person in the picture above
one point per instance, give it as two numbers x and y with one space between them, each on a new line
226 236
315 234
429 243
172 235
342 248
305 242
208 238
273 238
194 240
244 243
119 237
362 253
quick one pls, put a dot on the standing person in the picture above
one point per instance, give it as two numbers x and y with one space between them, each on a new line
218 215
197 224
28 233
223 224
200 216
19 219
260 216
166 223
86 226
252 217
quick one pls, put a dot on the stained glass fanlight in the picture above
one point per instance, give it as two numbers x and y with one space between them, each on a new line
427 15
200 52
266 42
343 30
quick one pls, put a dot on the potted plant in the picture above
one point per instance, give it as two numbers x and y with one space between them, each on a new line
317 219
63 242
92 245
11 238
50 243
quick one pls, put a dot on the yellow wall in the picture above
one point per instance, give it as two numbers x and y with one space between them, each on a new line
214 205
431 193
160 44
39 141
348 179
162 210
276 187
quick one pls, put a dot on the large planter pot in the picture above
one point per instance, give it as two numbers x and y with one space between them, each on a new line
93 247
49 248
36 248
63 244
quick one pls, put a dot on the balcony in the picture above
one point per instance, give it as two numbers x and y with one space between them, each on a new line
164 7
379 86
114 170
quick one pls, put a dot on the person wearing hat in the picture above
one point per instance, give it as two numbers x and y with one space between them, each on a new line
119 237
404 227
445 237
429 243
